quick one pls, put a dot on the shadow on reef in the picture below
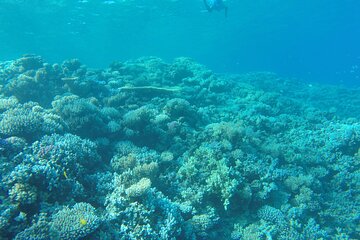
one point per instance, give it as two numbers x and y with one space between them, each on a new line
151 150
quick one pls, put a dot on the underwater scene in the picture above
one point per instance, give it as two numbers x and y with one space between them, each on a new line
179 119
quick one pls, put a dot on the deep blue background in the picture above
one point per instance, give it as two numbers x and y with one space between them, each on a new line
313 40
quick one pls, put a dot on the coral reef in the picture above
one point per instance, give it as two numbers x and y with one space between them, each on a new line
29 121
151 150
75 222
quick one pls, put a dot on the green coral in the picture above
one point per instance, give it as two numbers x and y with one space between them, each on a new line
209 173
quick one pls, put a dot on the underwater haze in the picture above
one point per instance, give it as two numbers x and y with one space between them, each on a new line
311 40
179 120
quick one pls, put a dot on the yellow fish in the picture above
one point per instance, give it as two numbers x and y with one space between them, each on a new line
83 221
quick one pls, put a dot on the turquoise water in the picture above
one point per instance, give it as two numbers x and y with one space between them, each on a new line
154 120
311 40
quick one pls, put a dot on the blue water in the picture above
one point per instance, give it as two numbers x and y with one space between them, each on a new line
309 40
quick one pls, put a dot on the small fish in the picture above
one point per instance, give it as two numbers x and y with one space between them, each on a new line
83 222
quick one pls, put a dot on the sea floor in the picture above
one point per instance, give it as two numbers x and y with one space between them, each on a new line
146 149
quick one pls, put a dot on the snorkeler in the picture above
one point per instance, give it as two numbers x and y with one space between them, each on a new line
216 5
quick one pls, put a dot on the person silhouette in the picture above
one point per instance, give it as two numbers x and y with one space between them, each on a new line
216 5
